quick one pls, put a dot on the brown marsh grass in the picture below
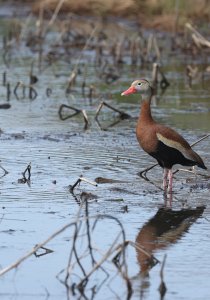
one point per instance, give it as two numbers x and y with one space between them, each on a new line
161 14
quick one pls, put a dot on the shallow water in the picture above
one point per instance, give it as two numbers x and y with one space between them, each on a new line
61 151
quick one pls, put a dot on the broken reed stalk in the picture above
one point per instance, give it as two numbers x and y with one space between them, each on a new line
6 51
164 83
48 92
43 30
32 80
25 179
89 234
34 249
4 170
75 69
84 80
143 173
118 53
118 250
103 103
37 247
19 84
90 252
72 187
85 117
40 37
199 40
124 273
77 111
32 92
27 170
157 50
113 248
152 43
155 77
55 14
201 139
8 91
136 51
4 78
77 226
73 251
47 251
110 252
177 15
91 91
141 249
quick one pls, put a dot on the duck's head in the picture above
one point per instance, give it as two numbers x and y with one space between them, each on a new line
141 86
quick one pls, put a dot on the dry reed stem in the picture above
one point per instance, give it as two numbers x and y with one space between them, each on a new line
103 103
116 249
77 111
110 251
95 264
5 171
34 249
198 39
56 12
75 69
51 237
97 7
72 187
152 44
141 249
85 117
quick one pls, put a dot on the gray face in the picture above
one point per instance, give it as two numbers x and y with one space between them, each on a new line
142 86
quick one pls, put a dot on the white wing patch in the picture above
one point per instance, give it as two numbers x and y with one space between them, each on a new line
175 145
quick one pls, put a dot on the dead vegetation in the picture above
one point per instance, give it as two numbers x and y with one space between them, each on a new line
87 259
110 52
162 14
97 7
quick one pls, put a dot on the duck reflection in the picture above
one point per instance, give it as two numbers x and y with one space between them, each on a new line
162 230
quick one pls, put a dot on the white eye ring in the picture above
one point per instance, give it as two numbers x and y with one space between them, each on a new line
139 83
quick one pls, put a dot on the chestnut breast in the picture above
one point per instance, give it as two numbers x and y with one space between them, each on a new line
146 136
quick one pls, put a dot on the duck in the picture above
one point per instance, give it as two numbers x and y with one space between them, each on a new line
163 143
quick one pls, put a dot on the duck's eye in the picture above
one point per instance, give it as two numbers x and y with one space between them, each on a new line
139 83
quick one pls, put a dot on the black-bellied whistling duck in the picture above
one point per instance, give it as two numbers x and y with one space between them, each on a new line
163 143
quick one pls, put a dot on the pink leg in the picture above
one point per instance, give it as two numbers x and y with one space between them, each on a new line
170 181
168 200
165 179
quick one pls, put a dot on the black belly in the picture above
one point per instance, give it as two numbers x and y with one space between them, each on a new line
168 156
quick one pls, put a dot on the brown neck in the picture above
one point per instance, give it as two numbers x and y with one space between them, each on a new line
145 113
